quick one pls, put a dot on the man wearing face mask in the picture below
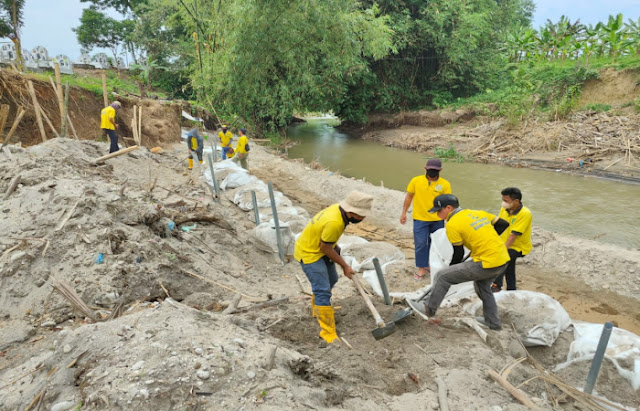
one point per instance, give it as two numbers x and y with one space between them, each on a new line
479 232
421 191
318 253
517 236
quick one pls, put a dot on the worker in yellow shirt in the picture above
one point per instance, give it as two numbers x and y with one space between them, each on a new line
421 191
480 232
241 152
317 252
108 124
517 237
225 140
195 144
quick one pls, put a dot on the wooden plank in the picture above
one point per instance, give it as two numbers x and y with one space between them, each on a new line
116 154
46 119
63 128
36 106
104 89
58 89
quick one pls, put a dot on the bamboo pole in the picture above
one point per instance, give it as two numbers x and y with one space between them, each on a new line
140 126
104 89
36 106
16 121
63 128
73 129
116 154
516 393
134 124
46 119
58 88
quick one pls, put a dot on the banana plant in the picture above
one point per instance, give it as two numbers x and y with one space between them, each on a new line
612 35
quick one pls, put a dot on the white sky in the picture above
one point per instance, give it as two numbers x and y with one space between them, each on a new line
48 22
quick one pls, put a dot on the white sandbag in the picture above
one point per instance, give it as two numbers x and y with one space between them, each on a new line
347 240
371 277
222 169
284 214
538 318
623 349
238 179
243 197
441 252
366 252
266 240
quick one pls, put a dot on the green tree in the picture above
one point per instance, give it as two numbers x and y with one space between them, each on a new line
612 35
11 20
99 30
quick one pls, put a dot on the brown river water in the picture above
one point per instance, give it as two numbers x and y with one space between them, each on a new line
586 207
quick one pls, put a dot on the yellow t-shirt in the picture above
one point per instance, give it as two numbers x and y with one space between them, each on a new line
424 191
521 223
225 138
473 229
105 115
326 226
242 143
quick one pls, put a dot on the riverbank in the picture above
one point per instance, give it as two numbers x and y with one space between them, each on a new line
160 339
587 143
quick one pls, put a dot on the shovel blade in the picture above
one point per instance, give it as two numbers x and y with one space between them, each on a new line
387 330
401 315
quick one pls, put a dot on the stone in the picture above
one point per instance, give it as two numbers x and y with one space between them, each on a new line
137 365
199 351
251 375
48 324
496 408
144 393
63 406
66 349
605 286
239 342
516 350
203 375
39 282
17 255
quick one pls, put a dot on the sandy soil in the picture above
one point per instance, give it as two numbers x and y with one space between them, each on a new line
152 351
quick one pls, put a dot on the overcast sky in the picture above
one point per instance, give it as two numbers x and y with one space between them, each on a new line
48 22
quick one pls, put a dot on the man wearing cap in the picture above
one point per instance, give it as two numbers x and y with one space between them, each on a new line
108 124
225 140
478 231
242 149
195 144
317 251
421 191
517 236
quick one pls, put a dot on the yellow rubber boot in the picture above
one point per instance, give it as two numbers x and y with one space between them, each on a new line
314 309
327 323
200 162
190 163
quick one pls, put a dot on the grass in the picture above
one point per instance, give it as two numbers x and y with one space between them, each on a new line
448 154
121 82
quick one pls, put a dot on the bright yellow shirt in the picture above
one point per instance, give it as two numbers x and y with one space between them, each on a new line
326 226
241 146
520 223
473 229
424 191
105 115
225 138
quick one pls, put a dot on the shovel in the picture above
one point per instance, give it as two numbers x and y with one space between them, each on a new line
383 330
402 314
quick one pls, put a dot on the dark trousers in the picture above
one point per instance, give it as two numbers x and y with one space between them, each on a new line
510 272
422 231
114 140
323 276
198 153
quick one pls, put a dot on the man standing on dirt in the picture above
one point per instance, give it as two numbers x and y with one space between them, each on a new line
421 191
241 152
108 124
225 140
517 236
195 143
317 251
480 232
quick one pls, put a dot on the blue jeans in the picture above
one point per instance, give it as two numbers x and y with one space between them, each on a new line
225 150
323 276
114 140
422 241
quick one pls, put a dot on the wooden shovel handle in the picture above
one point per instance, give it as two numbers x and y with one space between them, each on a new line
364 295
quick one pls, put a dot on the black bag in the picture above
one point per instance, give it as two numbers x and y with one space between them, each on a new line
246 147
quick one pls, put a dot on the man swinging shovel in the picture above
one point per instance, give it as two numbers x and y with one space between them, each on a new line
317 251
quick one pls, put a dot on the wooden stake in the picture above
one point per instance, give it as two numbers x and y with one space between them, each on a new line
104 89
73 129
63 128
58 89
116 154
36 106
4 114
516 393
140 126
271 361
16 121
46 119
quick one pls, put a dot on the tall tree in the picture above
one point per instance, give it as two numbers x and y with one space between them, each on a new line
99 30
11 20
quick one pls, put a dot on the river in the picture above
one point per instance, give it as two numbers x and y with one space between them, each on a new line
585 207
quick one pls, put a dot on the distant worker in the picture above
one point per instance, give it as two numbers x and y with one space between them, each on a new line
480 232
108 124
195 143
318 253
517 236
225 139
241 152
422 190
